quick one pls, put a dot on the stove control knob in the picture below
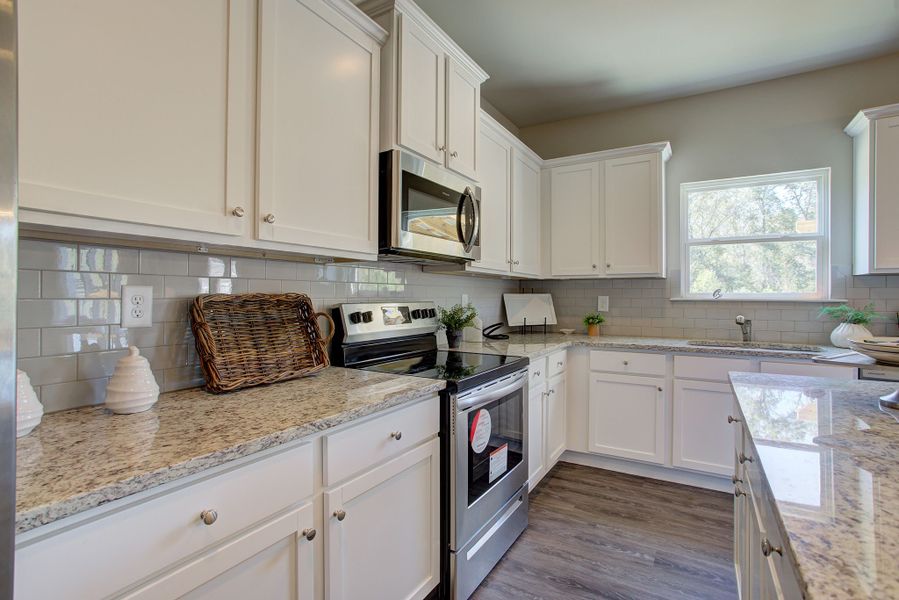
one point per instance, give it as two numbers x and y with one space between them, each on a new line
356 317
367 316
416 314
432 313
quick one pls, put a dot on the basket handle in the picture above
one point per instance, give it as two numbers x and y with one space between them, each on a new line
330 326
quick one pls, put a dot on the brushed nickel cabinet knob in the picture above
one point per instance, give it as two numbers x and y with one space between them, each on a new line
441 148
560 364
768 548
731 419
660 388
594 266
626 363
608 265
743 458
454 154
309 533
269 218
738 492
397 435
238 211
340 514
537 373
209 517
735 480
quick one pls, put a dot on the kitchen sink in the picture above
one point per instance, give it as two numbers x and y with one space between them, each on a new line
805 348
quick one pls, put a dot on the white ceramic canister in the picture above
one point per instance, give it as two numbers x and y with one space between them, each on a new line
29 409
132 388
844 332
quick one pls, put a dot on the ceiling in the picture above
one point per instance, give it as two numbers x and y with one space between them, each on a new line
551 60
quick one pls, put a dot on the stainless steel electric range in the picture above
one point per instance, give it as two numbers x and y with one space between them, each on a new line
483 429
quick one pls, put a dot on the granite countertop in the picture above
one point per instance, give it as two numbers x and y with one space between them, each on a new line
536 345
828 453
82 458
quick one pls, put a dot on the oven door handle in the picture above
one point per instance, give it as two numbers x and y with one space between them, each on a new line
479 400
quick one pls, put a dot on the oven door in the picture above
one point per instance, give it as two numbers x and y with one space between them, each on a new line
434 212
489 458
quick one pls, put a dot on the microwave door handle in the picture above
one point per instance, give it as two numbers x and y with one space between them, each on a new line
476 222
472 224
460 208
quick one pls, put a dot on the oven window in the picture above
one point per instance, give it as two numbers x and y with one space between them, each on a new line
495 442
430 209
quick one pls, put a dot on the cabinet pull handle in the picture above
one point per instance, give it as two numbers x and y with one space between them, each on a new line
537 373
209 517
560 364
768 549
441 148
397 435
660 388
309 533
625 363
735 480
340 514
269 218
743 458
608 265
454 154
738 492
731 419
238 211
514 262
594 266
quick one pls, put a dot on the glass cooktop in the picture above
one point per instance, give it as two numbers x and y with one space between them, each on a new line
450 365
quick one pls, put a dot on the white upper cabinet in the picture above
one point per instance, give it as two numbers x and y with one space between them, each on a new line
430 89
421 125
574 201
875 135
607 213
632 223
495 169
317 177
525 214
122 122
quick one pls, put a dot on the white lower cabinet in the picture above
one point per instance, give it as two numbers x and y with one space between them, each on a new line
702 438
627 417
536 439
382 530
555 420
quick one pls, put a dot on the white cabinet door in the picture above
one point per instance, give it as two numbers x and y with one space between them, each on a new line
318 128
632 221
463 119
627 417
274 561
140 113
494 169
525 215
536 438
382 530
421 92
741 517
574 215
886 193
703 439
555 420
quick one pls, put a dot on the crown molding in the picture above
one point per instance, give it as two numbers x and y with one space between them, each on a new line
861 120
664 148
359 19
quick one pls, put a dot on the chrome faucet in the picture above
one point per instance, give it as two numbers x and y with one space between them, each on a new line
745 326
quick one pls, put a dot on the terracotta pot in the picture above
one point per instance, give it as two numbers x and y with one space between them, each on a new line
593 330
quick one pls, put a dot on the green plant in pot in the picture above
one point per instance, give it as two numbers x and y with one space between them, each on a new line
852 323
454 320
592 321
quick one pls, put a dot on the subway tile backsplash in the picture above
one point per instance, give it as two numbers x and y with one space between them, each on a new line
69 307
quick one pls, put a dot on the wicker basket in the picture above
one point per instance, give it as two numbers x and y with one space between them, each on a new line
246 340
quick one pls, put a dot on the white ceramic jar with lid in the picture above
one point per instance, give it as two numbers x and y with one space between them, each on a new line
132 388
29 410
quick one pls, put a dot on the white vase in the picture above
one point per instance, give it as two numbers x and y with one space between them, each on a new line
848 331
132 388
29 409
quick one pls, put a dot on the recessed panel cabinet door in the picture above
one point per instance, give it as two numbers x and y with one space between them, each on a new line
632 223
525 215
494 167
555 420
536 437
138 112
703 439
627 417
422 100
382 530
318 128
574 212
463 119
886 193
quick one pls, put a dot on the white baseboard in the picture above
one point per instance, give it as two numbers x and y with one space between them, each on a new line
700 480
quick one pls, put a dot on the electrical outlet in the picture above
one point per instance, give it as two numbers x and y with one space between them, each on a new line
602 303
137 305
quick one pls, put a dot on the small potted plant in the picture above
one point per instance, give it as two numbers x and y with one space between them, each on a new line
592 321
852 323
454 320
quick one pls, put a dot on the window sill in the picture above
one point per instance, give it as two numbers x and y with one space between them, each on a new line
738 299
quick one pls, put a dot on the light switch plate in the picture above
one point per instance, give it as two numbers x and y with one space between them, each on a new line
137 305
464 299
602 303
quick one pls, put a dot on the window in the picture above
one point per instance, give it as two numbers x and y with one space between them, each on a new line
759 238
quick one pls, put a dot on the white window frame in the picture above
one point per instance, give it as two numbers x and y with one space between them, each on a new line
822 237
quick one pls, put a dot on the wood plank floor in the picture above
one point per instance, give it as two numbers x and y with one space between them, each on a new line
599 534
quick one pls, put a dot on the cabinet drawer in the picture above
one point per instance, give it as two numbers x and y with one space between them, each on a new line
628 362
101 557
537 372
361 446
557 362
710 369
808 370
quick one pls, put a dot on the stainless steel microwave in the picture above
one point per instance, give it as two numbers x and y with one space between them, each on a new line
426 212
